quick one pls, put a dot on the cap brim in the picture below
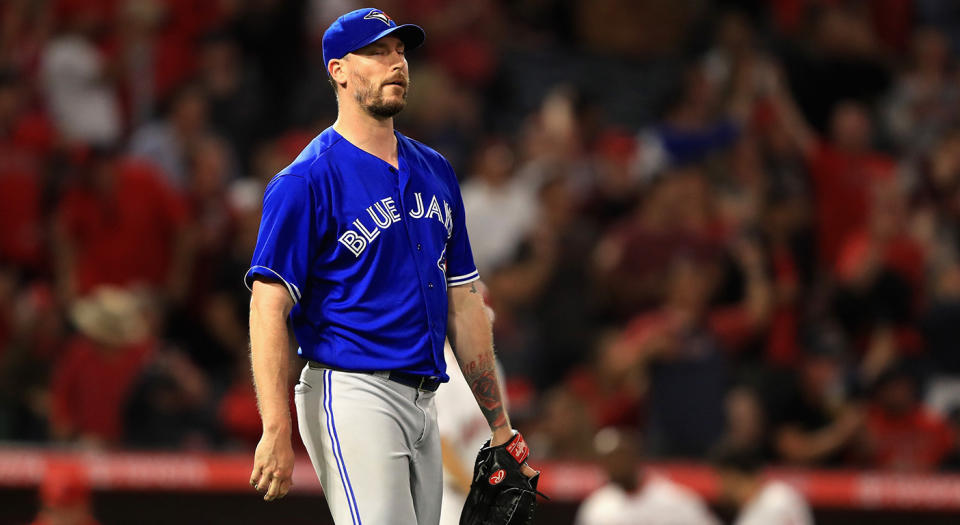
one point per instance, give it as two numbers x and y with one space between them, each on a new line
411 35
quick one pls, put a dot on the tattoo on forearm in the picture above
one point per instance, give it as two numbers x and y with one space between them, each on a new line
473 288
482 378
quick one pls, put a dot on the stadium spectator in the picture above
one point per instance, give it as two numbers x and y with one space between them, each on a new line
702 120
25 142
745 422
204 325
923 102
811 421
93 379
785 232
153 49
759 502
880 274
614 394
24 34
36 336
615 188
169 405
546 286
233 92
675 218
167 142
209 209
82 100
843 168
272 36
120 223
212 327
139 58
902 434
564 429
502 207
685 347
629 496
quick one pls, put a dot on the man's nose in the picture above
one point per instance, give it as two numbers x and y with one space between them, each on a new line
398 59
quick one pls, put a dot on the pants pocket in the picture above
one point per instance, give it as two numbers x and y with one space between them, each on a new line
303 385
302 388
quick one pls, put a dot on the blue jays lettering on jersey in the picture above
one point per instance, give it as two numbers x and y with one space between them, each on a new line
367 252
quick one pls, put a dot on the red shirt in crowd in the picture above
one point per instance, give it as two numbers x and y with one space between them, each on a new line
21 236
916 441
843 184
21 151
91 383
781 347
126 237
606 406
901 254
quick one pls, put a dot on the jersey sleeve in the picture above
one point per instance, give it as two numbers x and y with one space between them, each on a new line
460 266
286 236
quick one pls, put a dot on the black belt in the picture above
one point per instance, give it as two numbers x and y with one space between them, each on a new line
428 383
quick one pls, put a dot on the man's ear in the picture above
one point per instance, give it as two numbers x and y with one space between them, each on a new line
336 70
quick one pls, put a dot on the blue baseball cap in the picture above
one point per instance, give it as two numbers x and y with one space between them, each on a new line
362 27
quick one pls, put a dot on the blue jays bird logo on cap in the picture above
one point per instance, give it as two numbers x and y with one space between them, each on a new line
356 29
379 15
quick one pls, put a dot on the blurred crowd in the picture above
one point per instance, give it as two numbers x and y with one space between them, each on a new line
754 245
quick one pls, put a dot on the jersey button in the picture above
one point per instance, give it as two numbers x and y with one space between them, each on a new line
429 285
418 247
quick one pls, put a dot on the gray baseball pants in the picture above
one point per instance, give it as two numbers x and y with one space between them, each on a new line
374 444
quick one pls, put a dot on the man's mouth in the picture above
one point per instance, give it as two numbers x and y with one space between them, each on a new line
401 83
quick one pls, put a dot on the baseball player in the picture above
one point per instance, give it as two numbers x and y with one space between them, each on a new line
463 430
628 500
760 501
363 246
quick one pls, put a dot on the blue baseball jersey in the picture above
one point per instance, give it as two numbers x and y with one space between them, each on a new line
367 252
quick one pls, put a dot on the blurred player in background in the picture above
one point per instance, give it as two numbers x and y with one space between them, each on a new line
463 430
628 499
760 502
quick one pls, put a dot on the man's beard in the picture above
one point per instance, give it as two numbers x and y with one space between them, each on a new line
371 100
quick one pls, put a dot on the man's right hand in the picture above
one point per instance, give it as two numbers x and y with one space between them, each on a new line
272 473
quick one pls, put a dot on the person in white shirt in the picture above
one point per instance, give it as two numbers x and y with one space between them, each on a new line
73 73
502 207
629 500
760 501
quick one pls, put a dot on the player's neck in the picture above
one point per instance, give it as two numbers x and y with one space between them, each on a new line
373 135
